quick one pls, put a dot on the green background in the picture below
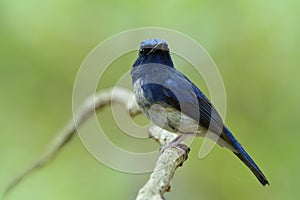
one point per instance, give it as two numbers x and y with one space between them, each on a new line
255 45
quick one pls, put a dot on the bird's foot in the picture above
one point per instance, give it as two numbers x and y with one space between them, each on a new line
177 142
163 148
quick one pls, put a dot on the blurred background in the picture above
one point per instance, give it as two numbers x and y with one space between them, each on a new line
255 45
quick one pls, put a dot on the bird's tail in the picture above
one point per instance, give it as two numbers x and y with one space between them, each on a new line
245 158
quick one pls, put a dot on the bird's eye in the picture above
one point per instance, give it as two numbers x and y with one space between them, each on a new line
142 51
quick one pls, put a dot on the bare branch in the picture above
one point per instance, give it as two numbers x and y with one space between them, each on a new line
166 165
168 162
91 104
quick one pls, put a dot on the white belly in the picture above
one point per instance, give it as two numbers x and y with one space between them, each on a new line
173 120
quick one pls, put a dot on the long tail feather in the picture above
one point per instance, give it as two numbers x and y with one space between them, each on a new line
246 159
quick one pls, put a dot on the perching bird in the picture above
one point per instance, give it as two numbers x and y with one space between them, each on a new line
171 101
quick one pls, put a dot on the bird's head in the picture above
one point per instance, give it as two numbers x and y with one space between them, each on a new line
154 51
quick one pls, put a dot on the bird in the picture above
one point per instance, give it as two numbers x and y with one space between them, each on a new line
171 101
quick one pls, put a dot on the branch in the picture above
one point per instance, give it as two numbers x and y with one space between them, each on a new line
166 165
91 104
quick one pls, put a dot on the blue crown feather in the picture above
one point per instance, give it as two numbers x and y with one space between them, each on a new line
155 43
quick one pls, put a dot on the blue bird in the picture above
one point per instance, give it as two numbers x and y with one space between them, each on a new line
171 101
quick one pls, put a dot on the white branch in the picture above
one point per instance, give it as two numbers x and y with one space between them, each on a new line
97 102
166 165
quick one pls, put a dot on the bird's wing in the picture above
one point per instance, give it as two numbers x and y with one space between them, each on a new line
178 92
